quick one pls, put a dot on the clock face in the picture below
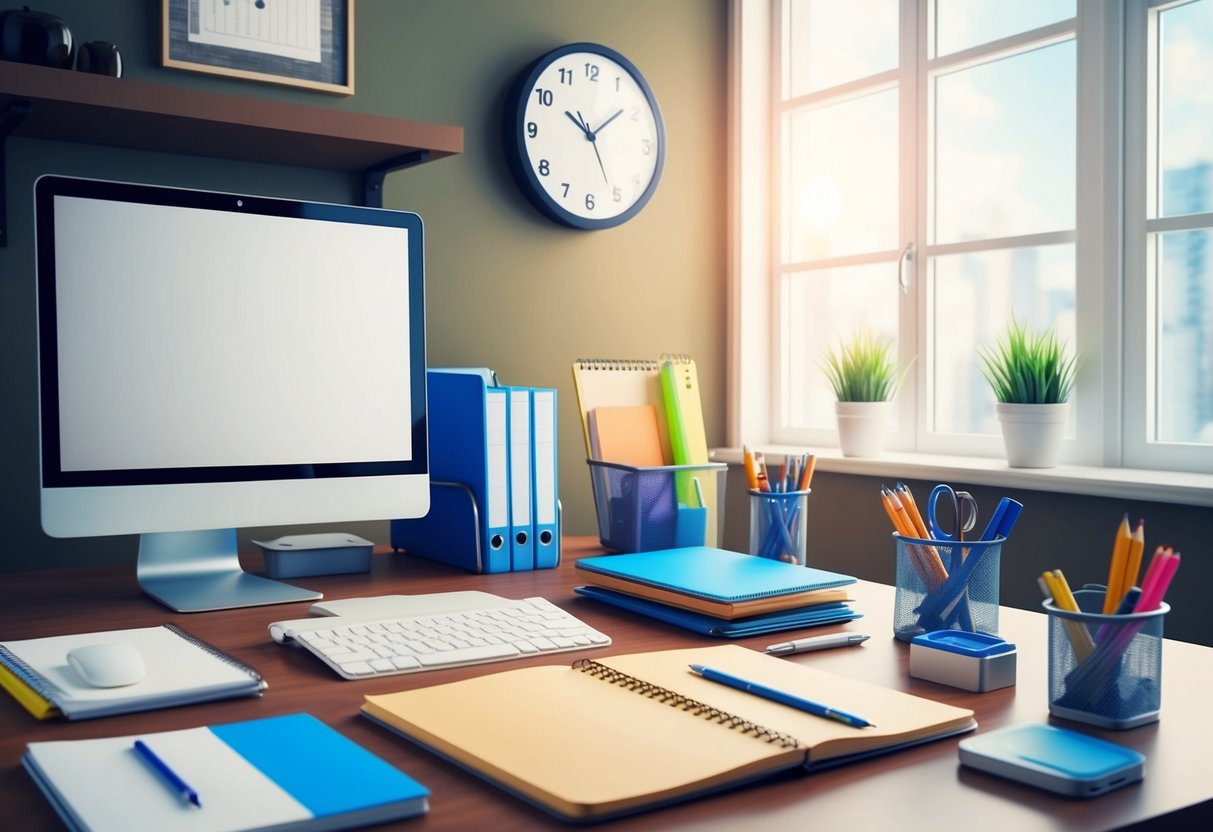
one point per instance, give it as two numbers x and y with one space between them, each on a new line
588 141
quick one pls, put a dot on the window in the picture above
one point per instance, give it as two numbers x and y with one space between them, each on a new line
937 167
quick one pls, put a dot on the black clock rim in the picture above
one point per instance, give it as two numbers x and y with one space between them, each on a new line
518 159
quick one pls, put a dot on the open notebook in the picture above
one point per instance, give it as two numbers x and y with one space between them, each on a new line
621 734
181 669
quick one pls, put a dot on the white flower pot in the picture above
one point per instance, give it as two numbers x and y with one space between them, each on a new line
1031 433
861 427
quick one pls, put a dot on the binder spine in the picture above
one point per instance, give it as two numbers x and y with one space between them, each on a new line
684 703
31 678
227 658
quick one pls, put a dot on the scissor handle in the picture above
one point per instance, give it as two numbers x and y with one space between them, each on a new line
964 511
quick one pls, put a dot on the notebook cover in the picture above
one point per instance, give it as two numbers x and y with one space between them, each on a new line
754 625
715 574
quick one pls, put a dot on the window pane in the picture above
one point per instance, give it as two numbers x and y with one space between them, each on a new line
830 43
960 24
1186 109
1184 404
819 308
973 297
840 183
1004 160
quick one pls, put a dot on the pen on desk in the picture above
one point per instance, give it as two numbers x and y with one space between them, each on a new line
167 774
782 697
805 645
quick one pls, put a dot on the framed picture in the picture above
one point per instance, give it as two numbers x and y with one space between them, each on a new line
303 43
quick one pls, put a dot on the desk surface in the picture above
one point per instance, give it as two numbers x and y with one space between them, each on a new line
918 789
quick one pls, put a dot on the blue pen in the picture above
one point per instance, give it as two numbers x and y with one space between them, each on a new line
782 697
169 776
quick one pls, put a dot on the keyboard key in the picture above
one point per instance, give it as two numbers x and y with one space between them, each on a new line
467 655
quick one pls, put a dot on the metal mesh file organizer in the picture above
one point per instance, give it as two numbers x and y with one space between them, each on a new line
660 507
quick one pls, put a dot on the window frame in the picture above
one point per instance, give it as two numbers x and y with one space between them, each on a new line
1107 240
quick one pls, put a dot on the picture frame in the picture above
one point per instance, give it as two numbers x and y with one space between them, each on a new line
304 44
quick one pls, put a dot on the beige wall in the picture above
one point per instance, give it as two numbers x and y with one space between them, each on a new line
506 288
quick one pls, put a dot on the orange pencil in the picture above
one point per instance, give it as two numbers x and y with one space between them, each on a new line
751 470
1116 569
907 500
806 475
760 464
1133 564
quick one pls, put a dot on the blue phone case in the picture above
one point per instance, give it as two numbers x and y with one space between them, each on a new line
1057 759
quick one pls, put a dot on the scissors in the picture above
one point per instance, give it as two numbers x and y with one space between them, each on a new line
964 513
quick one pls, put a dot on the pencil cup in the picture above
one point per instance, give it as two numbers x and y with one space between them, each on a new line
661 507
942 585
778 525
1105 670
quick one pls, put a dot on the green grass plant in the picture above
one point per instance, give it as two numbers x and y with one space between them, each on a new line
1026 367
863 369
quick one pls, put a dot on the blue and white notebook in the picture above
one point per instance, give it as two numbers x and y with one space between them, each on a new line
709 625
726 584
289 772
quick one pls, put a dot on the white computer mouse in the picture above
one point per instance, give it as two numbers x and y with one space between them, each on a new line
107 665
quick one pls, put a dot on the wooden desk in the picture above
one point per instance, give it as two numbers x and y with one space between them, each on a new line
918 789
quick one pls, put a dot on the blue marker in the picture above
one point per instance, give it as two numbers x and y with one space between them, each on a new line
167 774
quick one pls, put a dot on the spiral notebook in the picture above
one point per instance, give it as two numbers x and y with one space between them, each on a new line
181 670
580 741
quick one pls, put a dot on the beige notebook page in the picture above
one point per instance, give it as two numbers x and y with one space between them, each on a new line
576 743
898 717
720 609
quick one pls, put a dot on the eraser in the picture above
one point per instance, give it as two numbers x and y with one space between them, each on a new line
970 661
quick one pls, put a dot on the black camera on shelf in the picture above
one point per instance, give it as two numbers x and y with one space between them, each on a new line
41 38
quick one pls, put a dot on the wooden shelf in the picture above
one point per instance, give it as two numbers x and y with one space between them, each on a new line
44 103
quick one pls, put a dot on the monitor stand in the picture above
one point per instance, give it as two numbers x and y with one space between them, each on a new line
200 571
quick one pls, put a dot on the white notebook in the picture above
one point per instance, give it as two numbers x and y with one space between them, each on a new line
181 669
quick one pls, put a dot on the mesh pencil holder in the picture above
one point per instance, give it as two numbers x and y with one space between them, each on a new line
659 507
1105 670
943 585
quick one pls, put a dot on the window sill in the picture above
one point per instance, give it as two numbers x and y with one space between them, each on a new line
1117 483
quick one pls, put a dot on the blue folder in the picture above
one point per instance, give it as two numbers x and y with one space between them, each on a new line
771 622
714 574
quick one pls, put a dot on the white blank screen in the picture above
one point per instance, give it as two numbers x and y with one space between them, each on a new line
224 339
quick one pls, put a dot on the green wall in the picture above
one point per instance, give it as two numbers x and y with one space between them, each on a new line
506 288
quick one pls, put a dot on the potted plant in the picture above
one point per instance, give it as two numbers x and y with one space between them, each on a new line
865 378
1032 377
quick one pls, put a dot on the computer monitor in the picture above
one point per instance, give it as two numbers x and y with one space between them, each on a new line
210 360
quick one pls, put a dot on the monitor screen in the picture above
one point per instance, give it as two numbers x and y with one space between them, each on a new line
212 360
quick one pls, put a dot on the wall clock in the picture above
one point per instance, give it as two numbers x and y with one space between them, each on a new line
584 136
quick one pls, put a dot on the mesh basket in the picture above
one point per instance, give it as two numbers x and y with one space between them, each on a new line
1105 670
946 586
662 507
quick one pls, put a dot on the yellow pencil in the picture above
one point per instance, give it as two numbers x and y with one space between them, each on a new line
1080 637
1116 569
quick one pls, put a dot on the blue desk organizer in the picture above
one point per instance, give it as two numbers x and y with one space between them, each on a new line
639 509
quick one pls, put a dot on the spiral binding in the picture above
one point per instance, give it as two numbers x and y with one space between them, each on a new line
677 357
628 364
227 658
34 680
684 703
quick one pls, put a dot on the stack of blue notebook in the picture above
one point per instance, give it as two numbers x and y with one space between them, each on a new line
718 592
493 496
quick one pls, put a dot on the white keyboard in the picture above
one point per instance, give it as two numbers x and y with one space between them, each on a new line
364 648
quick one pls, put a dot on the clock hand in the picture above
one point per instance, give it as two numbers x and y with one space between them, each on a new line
580 124
594 144
608 121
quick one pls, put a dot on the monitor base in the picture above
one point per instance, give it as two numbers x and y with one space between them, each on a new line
200 571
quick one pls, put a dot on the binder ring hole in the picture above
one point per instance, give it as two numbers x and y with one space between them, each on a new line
545 537
521 538
497 541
